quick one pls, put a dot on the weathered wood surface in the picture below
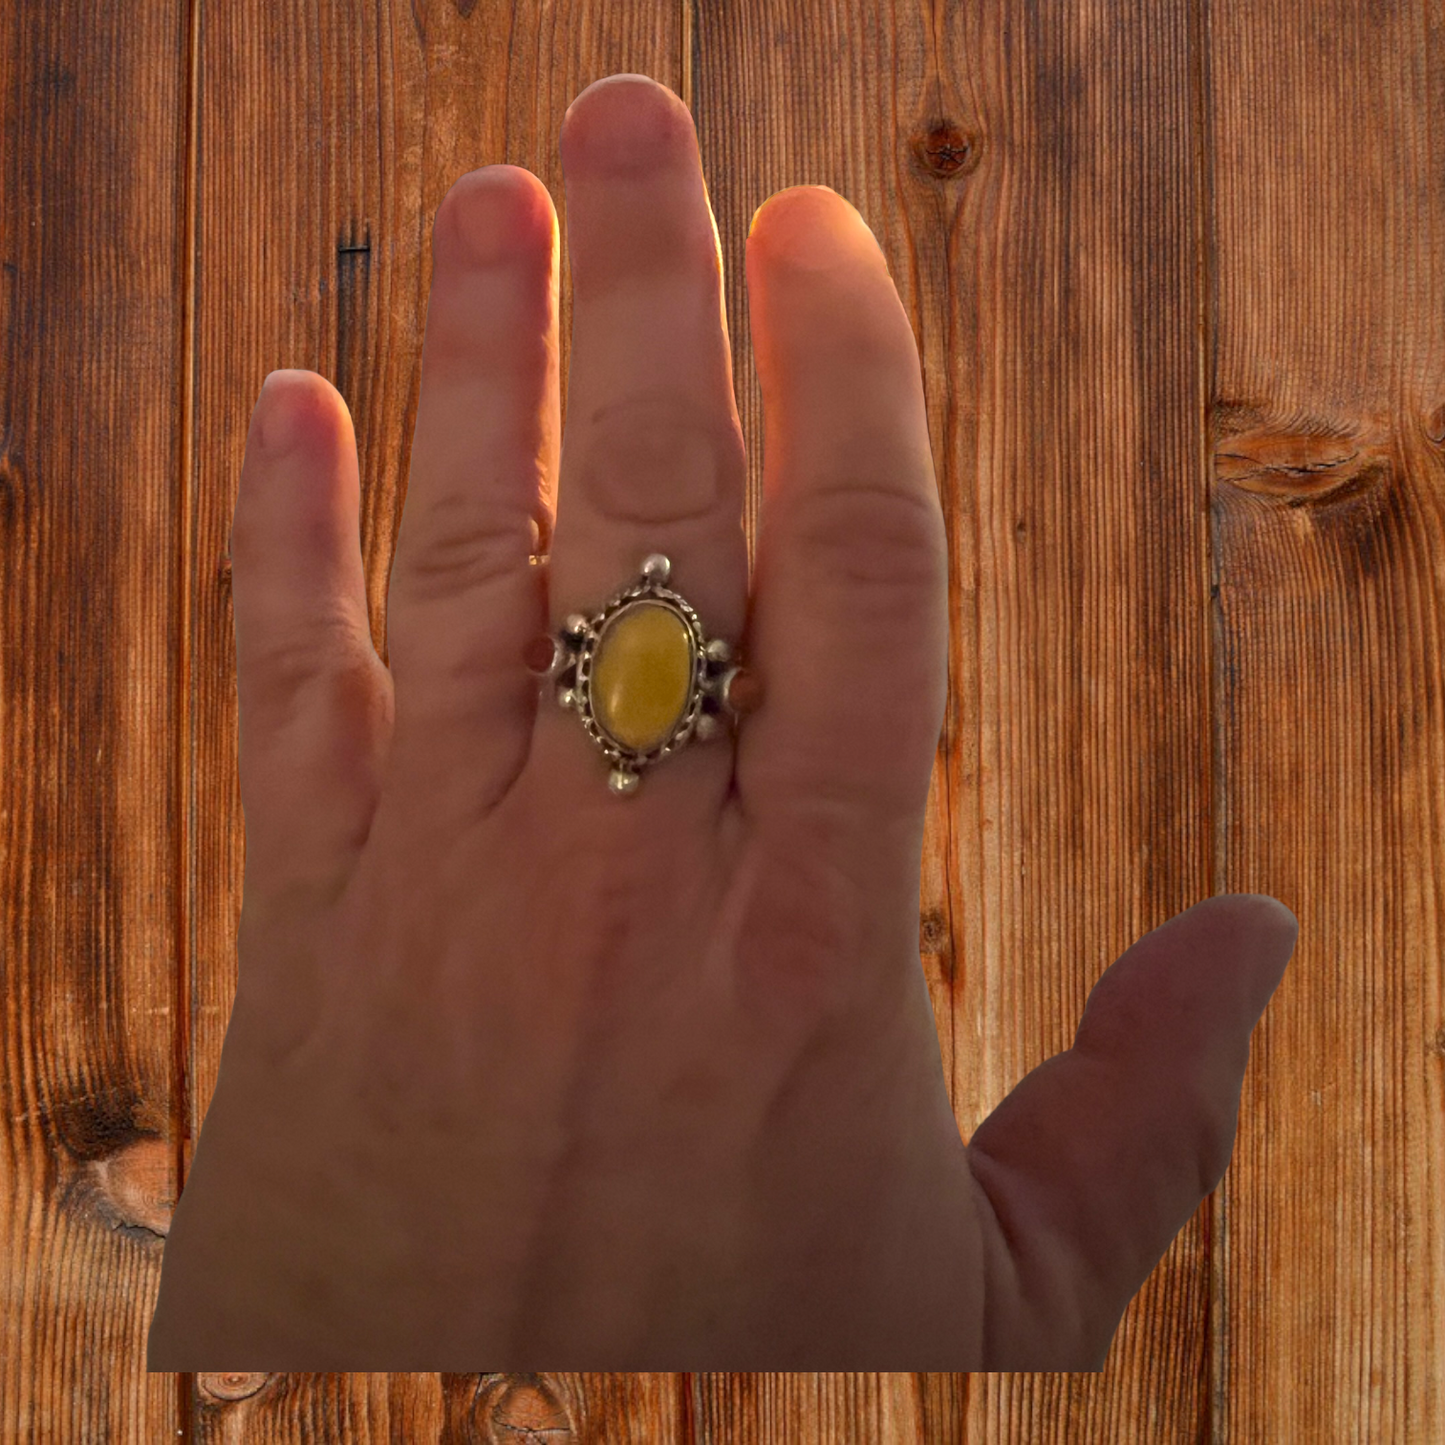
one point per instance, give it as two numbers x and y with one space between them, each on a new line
1327 357
1177 271
93 667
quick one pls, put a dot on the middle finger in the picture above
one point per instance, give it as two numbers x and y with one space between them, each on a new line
653 457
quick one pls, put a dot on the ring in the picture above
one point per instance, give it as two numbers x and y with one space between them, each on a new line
642 677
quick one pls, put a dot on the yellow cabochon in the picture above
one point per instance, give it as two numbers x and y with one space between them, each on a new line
642 674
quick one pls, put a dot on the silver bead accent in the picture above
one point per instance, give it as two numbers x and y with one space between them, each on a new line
719 650
706 727
623 782
576 625
656 568
566 698
724 682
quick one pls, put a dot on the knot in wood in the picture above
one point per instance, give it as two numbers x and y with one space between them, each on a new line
524 1407
135 1183
227 1385
945 150
934 935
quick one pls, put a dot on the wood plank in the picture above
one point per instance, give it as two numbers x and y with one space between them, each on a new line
559 1408
1328 419
1033 179
327 148
1032 174
1071 274
740 201
840 1407
91 288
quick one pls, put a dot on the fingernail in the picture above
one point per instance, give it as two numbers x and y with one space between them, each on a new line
502 218
809 238
782 197
643 125
279 427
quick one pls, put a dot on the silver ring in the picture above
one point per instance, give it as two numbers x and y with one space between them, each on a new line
642 677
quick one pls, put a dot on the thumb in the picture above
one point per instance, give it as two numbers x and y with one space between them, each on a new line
1102 1154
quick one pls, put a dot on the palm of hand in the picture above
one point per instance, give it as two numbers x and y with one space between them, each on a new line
523 1074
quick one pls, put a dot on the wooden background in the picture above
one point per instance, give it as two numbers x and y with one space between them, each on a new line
1177 272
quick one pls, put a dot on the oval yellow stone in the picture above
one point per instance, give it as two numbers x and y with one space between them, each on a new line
642 674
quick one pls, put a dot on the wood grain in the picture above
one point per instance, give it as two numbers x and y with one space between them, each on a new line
1328 326
1177 274
92 314
1059 288
324 175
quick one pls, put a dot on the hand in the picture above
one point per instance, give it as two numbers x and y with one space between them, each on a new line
524 1074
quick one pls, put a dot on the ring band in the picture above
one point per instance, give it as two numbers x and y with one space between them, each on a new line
642 677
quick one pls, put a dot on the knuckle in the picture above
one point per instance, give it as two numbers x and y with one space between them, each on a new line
886 539
658 458
461 548
283 673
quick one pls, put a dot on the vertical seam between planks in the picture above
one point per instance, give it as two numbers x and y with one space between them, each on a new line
687 1426
180 1078
688 47
1215 1362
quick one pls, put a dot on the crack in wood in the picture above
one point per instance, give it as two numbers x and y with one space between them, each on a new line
1303 469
